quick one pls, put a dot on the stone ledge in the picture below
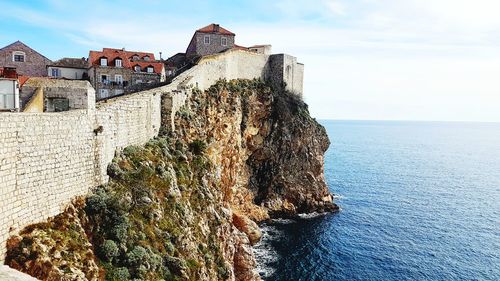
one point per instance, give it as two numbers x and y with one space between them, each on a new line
7 273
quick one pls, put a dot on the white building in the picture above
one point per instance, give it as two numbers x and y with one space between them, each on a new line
9 94
69 68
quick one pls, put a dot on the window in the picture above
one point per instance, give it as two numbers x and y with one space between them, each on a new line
137 68
150 69
135 57
207 39
18 56
104 79
223 41
118 79
146 58
7 100
56 72
104 62
104 93
57 104
118 63
118 92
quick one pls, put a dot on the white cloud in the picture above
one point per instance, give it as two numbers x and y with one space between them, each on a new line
336 7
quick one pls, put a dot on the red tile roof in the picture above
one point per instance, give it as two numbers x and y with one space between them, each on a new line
158 66
126 57
22 80
215 28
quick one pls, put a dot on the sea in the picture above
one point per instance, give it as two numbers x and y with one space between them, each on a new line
419 201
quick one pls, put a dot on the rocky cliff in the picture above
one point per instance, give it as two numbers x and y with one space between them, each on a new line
185 205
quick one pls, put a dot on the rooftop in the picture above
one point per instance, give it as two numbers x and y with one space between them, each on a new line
71 63
129 59
215 28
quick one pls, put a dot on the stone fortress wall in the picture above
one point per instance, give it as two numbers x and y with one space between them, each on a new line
47 159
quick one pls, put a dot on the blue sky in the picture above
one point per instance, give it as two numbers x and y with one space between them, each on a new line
364 59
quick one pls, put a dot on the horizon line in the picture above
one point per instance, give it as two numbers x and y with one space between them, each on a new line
410 120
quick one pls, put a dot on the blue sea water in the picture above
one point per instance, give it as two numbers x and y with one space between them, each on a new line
419 201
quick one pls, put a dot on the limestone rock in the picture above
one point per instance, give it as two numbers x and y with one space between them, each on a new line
247 226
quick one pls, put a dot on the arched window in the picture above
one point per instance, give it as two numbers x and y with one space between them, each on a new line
135 57
18 56
137 68
146 58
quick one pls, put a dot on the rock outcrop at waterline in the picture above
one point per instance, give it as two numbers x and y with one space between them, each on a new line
185 205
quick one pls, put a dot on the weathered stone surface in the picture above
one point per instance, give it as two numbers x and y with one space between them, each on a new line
7 273
247 226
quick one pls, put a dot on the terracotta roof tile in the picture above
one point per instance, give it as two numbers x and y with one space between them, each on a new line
126 57
215 28
22 80
144 64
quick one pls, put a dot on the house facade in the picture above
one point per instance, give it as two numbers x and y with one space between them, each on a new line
210 39
114 72
24 59
69 68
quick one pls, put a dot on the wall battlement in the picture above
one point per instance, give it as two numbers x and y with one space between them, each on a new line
47 159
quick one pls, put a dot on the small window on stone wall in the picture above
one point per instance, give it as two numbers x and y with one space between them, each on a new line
57 104
56 72
223 41
206 39
18 56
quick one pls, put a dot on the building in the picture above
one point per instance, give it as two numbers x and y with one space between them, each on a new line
210 39
24 59
9 90
114 72
287 72
261 49
69 68
44 94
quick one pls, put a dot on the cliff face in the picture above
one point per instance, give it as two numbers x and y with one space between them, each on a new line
185 206
267 147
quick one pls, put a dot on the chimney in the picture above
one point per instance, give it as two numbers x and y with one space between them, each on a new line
160 55
216 27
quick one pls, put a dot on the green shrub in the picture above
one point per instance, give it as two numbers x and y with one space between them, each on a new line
117 274
108 250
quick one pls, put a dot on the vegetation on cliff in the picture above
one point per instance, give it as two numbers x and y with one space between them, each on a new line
185 205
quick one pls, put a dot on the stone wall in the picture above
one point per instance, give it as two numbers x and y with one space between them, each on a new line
46 159
286 70
128 120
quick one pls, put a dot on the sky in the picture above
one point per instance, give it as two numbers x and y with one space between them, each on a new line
435 60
